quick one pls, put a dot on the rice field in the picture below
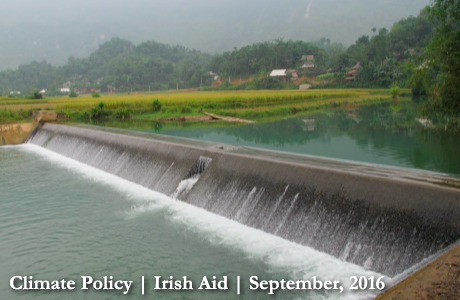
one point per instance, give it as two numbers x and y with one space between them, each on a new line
249 104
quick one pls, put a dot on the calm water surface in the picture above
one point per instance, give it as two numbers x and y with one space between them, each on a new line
61 219
379 134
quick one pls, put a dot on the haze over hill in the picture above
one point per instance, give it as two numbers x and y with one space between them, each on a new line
53 30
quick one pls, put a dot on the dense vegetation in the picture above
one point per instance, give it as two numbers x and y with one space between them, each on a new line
444 55
421 53
117 63
386 57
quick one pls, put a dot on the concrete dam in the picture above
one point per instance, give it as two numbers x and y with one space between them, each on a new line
382 218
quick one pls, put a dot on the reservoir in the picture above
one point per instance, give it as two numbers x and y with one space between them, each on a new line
378 134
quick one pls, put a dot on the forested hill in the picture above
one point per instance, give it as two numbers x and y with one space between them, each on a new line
386 57
53 30
117 63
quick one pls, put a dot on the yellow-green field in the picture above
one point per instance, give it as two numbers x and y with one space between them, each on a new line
244 104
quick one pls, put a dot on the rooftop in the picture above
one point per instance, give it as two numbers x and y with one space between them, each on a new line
280 72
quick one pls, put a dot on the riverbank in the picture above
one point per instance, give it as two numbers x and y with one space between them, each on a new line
13 134
438 281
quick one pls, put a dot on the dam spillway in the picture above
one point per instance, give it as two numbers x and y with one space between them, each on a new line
384 219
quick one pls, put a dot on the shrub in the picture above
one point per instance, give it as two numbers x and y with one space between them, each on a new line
96 95
35 95
186 110
123 113
395 92
156 104
73 94
98 111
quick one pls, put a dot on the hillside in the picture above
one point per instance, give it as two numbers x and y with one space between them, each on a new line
53 30
386 57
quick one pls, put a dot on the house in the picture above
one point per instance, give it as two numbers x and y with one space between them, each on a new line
356 67
279 73
308 57
43 91
111 89
294 74
308 65
309 61
213 75
351 75
64 90
15 93
353 72
304 86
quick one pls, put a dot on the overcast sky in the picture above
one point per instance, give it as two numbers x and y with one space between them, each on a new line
55 29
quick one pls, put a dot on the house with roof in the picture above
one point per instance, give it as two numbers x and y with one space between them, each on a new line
353 72
111 89
65 90
308 65
280 74
213 75
309 61
294 74
43 91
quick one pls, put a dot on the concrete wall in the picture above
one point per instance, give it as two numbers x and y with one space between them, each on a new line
385 219
13 134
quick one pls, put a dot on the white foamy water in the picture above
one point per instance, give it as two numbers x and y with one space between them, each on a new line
185 186
282 255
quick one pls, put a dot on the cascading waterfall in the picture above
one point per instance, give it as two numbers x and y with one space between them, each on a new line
384 224
187 184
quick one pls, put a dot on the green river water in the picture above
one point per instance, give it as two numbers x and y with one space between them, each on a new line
378 134
60 219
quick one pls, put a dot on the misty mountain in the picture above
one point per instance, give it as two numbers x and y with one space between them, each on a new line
53 30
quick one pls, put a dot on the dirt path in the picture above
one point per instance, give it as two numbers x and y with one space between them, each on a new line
439 280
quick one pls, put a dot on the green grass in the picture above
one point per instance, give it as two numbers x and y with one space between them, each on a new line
7 116
254 105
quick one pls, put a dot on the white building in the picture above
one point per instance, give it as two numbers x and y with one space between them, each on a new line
213 75
279 73
65 90
42 92
15 93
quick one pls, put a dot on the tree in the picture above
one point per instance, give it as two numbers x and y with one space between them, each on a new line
73 94
35 95
444 52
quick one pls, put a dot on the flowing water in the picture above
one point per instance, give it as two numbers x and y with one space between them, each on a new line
63 219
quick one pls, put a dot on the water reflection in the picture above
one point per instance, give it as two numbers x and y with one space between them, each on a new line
384 134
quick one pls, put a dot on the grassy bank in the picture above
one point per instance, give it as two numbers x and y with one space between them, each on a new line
253 105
